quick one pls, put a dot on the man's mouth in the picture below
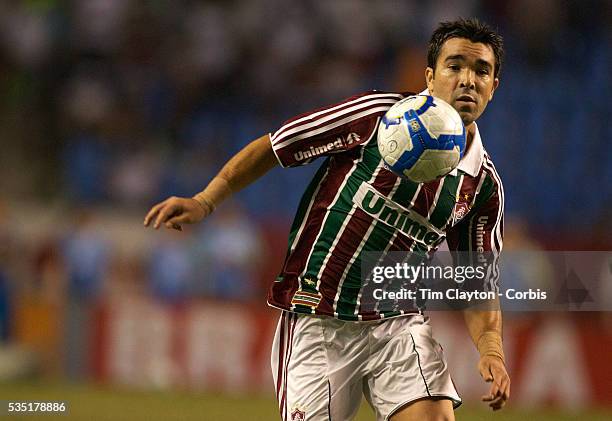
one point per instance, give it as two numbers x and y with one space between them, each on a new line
466 98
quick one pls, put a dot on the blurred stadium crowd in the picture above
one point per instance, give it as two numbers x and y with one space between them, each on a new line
108 106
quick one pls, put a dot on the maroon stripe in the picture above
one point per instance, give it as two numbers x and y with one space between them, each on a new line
400 243
426 197
281 293
342 253
347 245
281 354
330 131
292 124
361 130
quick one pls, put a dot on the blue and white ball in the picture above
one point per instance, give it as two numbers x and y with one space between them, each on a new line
421 137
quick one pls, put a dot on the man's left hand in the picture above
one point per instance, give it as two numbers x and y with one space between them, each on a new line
493 370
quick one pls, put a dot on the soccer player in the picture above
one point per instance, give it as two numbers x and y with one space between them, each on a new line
328 350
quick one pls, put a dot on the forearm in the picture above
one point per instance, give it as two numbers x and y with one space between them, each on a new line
251 163
485 327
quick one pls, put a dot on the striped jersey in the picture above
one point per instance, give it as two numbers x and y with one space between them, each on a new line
355 205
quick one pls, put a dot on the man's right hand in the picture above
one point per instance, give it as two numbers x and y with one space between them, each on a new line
175 211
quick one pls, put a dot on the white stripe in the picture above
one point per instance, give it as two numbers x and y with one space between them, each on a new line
290 330
310 117
483 177
359 247
327 213
384 252
412 201
496 232
318 123
500 193
436 197
405 281
367 281
452 213
501 205
330 126
346 178
414 197
347 219
350 264
307 213
388 284
281 360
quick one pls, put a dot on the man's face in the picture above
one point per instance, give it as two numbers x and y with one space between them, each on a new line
463 77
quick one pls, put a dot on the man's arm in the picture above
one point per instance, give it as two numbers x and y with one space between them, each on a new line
300 140
251 163
476 240
485 327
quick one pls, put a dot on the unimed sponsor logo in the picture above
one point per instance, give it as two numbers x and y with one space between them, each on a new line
482 221
314 151
390 213
480 225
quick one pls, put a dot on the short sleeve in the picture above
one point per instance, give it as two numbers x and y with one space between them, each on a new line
333 129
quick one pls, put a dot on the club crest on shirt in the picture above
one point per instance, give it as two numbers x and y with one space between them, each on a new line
462 206
298 415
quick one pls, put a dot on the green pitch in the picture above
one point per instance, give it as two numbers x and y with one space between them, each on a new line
102 403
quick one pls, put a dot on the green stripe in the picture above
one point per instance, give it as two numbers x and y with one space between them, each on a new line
416 257
299 308
486 190
338 213
446 201
379 239
405 193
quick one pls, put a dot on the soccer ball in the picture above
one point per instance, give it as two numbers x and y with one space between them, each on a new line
421 137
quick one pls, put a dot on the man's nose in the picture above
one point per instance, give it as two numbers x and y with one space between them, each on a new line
467 79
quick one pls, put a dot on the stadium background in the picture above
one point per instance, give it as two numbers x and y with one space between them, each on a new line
108 106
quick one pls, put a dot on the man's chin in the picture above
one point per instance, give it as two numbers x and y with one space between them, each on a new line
466 118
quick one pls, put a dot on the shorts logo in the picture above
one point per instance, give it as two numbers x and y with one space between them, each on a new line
297 415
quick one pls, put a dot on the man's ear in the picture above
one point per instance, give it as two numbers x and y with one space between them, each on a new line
429 77
495 85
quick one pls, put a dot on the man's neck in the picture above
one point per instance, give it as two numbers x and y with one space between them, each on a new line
470 131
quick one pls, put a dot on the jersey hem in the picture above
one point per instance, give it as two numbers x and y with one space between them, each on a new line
345 318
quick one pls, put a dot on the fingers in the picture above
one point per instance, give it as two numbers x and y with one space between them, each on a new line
500 388
154 210
165 213
162 212
174 212
497 403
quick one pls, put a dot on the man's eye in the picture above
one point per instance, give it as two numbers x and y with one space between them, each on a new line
483 72
453 67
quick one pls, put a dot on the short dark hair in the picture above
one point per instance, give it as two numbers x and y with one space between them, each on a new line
471 29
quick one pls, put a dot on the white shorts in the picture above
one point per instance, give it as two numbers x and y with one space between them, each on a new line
322 366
